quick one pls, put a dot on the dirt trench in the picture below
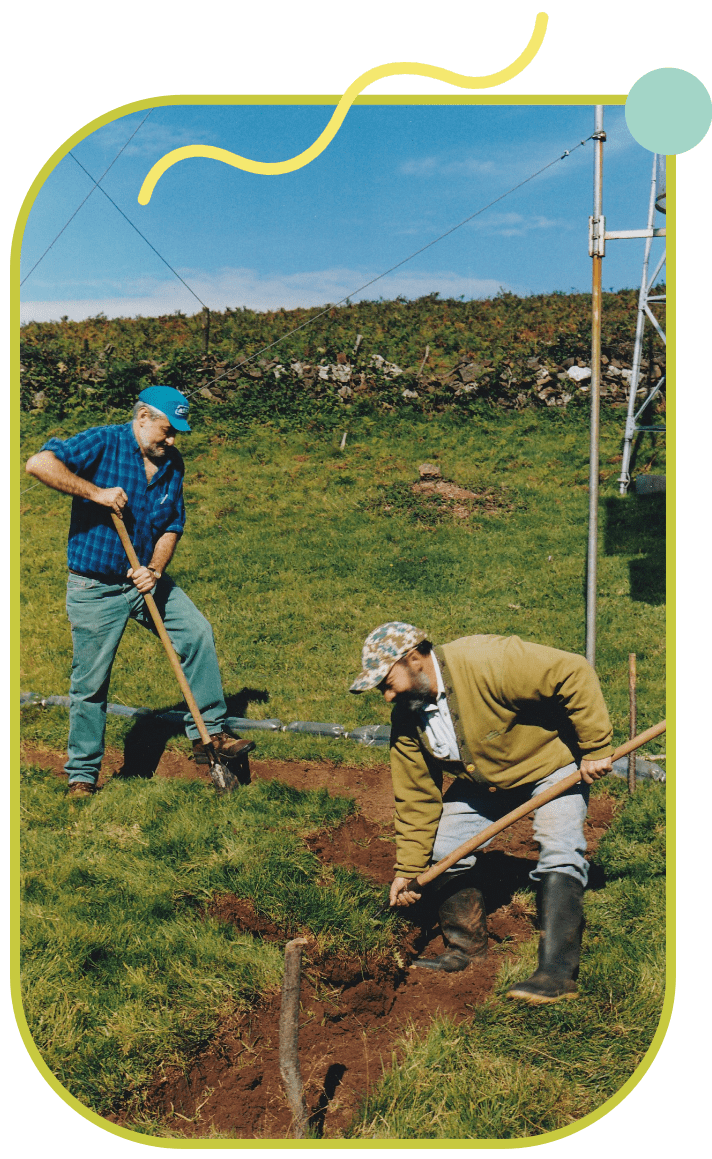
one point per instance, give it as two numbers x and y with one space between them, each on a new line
351 1014
352 1011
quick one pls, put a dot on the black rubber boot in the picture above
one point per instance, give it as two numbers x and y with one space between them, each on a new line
463 924
561 924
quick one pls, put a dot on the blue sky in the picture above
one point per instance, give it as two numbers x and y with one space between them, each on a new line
394 178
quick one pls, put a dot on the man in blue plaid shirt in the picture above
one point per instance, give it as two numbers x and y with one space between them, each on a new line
134 470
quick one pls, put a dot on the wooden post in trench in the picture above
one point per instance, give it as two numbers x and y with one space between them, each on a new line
289 1037
633 707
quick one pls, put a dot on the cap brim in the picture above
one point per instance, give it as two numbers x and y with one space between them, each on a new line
177 423
368 681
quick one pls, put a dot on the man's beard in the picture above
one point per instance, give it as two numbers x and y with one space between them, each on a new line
416 698
151 449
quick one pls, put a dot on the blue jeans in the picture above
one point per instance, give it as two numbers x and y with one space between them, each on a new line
558 825
99 613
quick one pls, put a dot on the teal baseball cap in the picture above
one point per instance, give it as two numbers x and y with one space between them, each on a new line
169 402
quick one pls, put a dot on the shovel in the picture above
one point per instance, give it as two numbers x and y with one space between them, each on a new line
496 827
222 777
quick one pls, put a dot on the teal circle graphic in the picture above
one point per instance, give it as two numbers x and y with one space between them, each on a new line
668 111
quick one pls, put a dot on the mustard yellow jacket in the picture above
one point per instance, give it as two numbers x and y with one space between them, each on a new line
520 712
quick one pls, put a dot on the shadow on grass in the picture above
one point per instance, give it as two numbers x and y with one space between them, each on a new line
146 741
498 876
635 525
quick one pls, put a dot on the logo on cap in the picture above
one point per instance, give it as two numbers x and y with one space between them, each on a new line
181 411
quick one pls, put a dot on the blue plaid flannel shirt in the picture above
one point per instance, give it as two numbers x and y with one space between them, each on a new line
110 457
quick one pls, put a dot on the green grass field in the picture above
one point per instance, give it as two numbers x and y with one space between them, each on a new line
290 554
294 550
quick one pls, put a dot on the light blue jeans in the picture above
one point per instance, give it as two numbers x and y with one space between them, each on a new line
558 825
99 613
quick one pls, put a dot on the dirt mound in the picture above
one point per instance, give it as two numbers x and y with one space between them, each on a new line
460 501
363 844
432 501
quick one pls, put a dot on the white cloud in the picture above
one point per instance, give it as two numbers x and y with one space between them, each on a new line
152 137
516 224
245 287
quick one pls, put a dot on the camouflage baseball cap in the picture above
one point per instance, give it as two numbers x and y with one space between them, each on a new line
382 648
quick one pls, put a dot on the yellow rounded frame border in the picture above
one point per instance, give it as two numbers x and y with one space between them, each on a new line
22 1026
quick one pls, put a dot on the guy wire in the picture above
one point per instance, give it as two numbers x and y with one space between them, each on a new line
212 381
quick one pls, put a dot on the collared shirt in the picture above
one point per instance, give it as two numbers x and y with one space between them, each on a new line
110 457
437 722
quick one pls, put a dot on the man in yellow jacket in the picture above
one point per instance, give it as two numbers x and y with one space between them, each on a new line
506 719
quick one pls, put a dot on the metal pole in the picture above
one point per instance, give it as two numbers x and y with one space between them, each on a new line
598 248
624 479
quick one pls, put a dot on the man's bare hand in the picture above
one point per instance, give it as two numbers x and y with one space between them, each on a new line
51 471
593 770
113 497
143 579
401 896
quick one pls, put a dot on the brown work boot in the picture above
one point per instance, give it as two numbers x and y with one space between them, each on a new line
226 746
561 922
80 790
463 923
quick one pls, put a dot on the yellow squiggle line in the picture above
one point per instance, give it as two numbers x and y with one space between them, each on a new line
326 137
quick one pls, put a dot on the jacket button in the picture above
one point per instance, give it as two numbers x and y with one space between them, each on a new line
493 789
470 768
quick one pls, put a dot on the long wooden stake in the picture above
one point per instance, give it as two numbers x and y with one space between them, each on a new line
289 1036
633 718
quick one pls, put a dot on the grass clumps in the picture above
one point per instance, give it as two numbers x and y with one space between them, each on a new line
635 846
123 968
517 1071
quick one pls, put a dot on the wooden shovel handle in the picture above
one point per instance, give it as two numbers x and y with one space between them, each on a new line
163 634
496 827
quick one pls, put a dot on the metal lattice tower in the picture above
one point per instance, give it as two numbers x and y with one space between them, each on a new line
597 238
635 420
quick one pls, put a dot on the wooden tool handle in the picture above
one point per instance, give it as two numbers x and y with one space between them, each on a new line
549 794
163 634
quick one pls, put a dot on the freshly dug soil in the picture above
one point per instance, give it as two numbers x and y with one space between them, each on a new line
352 1011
